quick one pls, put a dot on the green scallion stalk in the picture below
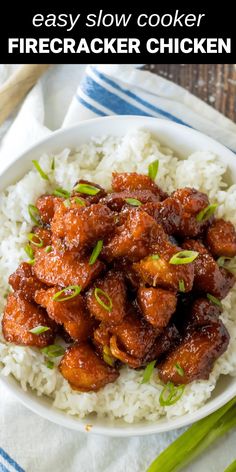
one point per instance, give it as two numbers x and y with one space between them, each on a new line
133 201
72 290
96 251
34 215
206 213
97 292
86 189
197 438
231 467
39 330
214 300
61 192
79 201
40 170
148 372
183 257
153 169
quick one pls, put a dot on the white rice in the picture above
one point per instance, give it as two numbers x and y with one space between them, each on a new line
126 398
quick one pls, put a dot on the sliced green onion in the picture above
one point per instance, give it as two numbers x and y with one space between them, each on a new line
40 170
107 356
206 213
155 257
214 300
228 263
39 329
181 285
53 163
153 169
50 364
32 236
48 249
79 201
171 394
29 251
34 214
61 192
96 251
148 372
221 260
231 467
179 369
54 350
183 257
31 261
99 291
86 189
75 289
67 203
133 201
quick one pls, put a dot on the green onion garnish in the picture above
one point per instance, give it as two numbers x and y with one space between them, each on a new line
171 394
181 285
55 350
32 236
50 364
221 260
148 372
231 467
34 214
153 169
53 163
107 356
155 257
214 300
228 263
99 291
48 249
79 201
61 192
67 203
86 189
133 201
206 213
179 369
74 289
40 170
29 251
96 251
39 329
183 257
195 440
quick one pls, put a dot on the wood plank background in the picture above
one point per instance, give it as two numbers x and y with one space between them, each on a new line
213 83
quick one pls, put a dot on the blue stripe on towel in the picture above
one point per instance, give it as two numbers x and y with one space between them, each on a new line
138 99
3 468
109 100
90 107
10 461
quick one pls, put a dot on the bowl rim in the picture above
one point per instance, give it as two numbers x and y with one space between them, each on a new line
30 399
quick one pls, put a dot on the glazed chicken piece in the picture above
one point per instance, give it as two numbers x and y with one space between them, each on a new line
24 281
203 312
133 181
165 342
157 305
132 238
132 339
167 213
101 193
72 314
156 270
84 369
82 226
64 269
106 300
208 277
20 316
196 354
221 238
117 200
46 205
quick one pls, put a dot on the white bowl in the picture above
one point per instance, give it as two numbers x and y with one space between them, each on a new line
183 141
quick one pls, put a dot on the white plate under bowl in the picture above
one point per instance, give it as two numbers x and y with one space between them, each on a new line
183 141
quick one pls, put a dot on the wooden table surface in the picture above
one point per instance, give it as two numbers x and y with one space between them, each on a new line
213 83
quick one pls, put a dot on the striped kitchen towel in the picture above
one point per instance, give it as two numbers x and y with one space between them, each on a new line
126 90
